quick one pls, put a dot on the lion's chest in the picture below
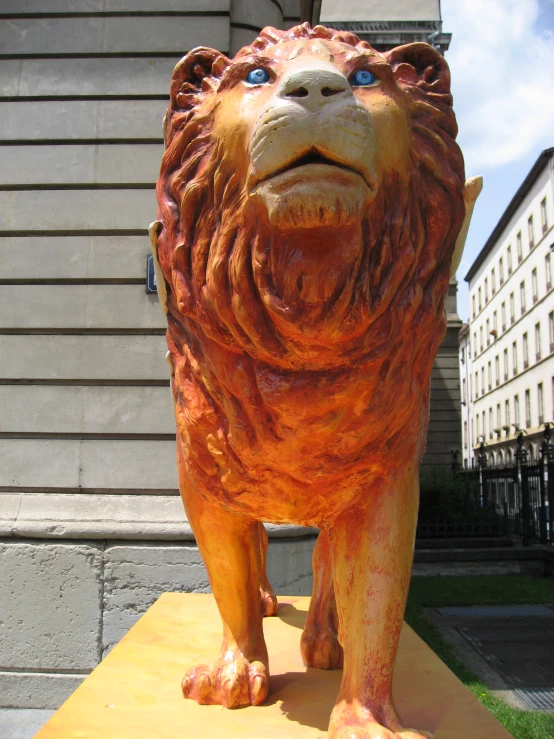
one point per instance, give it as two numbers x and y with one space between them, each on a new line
290 446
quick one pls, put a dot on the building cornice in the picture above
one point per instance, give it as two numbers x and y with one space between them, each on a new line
388 34
50 515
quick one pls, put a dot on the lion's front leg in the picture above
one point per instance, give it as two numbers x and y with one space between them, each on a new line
229 545
372 558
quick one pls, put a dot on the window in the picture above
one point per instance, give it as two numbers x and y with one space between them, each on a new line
482 380
509 257
470 388
512 308
479 299
465 434
493 281
544 219
463 391
495 323
519 248
506 368
514 358
531 232
535 285
540 403
522 297
484 424
548 271
503 315
507 416
480 338
476 386
463 355
473 305
497 370
498 418
551 330
489 373
490 423
527 409
488 331
516 410
525 351
501 270
486 290
537 341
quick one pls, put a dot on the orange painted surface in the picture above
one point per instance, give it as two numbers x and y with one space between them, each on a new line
134 693
310 200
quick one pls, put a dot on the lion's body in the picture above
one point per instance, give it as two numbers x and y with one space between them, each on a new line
298 447
305 238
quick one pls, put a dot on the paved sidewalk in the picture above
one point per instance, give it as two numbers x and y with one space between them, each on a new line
22 723
511 648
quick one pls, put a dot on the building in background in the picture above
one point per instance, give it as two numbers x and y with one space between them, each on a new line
507 348
91 522
388 24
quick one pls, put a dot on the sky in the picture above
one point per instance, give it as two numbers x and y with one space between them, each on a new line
502 64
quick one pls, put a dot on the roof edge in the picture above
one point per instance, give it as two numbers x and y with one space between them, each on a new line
513 205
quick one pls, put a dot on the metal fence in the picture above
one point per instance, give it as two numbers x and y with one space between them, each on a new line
521 494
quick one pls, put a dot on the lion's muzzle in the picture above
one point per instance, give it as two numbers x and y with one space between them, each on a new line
313 118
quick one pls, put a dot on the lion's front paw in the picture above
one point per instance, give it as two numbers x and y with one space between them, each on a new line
321 648
376 731
231 684
349 723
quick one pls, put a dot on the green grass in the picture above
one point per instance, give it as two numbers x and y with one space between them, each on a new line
477 591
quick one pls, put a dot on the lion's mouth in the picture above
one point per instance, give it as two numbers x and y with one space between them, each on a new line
311 158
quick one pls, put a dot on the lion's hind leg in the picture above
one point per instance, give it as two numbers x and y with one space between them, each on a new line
269 600
319 643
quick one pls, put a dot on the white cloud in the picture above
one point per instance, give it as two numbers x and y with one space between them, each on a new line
502 79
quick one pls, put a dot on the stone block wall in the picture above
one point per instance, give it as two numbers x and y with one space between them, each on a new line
64 605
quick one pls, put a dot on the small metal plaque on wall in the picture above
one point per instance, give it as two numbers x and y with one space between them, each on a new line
150 275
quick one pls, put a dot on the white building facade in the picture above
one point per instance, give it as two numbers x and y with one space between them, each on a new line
507 347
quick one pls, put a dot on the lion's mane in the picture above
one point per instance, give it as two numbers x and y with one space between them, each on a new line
205 251
205 247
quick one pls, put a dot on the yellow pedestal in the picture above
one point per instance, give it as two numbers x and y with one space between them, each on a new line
135 692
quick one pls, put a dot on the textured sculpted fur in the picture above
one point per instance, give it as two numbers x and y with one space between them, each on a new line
304 271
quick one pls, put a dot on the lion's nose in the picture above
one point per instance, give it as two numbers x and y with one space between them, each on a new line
314 86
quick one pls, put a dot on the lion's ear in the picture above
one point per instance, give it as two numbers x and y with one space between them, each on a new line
472 190
420 64
197 73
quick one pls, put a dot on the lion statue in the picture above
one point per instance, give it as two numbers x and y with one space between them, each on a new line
311 209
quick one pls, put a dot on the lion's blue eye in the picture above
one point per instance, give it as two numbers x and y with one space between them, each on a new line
362 78
257 77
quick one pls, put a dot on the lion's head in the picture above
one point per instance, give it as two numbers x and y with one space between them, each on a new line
310 196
